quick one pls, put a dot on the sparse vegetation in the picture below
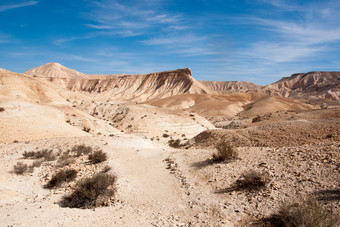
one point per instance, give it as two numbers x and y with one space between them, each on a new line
20 168
224 152
36 163
91 192
106 169
86 129
47 155
175 143
2 109
165 135
307 212
60 177
253 180
256 119
82 149
97 157
65 160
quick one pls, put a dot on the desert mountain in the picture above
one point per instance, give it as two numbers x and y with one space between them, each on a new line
324 85
55 70
138 88
231 86
19 86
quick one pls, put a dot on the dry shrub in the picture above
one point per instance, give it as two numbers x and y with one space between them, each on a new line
253 180
307 212
60 177
2 109
36 163
45 154
65 160
165 135
82 149
28 154
175 143
106 169
20 168
224 152
97 157
91 192
256 119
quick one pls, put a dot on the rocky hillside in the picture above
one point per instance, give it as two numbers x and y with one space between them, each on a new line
231 86
324 85
140 88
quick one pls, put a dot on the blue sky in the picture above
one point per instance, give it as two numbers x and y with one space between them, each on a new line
251 40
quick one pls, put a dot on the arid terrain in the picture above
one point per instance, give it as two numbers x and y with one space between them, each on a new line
160 133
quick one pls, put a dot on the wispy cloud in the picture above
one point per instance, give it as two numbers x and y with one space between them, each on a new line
133 18
17 5
178 40
310 30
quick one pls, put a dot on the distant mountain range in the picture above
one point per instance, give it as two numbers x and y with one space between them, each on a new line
143 87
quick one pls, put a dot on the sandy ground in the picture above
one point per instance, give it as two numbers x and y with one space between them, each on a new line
148 193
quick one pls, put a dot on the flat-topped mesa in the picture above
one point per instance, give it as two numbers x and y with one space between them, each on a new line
139 87
143 87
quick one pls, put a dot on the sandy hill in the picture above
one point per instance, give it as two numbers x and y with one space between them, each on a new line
324 85
55 70
206 105
230 105
19 86
231 86
33 109
272 104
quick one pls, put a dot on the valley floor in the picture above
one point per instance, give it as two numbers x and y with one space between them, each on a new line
161 186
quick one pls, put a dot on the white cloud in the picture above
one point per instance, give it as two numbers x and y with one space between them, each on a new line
17 5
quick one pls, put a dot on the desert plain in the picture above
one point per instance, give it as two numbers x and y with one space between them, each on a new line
160 133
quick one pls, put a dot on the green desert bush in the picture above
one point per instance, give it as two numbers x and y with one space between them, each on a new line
224 152
307 212
97 157
61 176
20 168
91 192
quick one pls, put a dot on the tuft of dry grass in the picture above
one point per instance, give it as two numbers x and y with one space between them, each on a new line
47 155
20 168
224 152
60 177
165 135
91 192
65 160
307 212
253 180
82 149
175 143
97 157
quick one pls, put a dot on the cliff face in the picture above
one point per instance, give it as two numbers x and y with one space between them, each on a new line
324 85
140 88
231 86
